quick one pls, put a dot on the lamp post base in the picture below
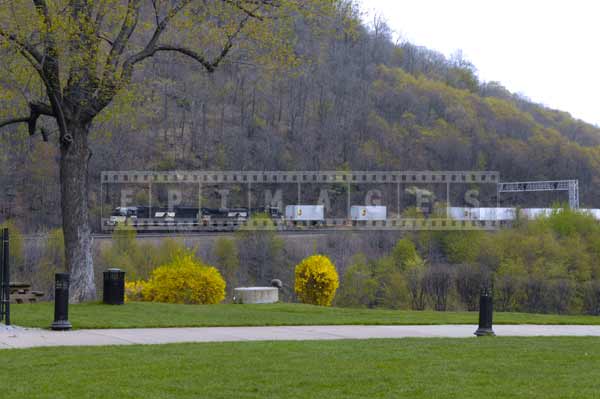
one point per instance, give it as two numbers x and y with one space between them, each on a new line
485 332
61 325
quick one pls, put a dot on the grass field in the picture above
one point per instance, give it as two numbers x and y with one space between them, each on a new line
407 368
144 314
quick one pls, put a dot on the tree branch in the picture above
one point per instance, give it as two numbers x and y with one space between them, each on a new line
14 121
106 39
49 61
156 16
110 84
23 47
160 28
210 66
240 5
50 72
36 109
185 51
119 44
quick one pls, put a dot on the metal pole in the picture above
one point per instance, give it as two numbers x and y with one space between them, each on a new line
249 200
150 213
399 215
349 208
447 200
5 289
199 215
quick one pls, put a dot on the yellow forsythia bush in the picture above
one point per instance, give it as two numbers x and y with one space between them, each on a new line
184 280
133 290
316 280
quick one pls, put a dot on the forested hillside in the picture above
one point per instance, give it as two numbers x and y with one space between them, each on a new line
356 101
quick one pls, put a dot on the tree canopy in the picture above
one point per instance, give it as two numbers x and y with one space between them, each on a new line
67 60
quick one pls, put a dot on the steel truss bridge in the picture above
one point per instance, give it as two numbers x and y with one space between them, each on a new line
572 186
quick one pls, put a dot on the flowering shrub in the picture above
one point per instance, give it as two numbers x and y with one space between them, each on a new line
184 280
133 290
316 280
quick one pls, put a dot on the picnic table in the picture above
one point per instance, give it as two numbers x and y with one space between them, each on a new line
22 293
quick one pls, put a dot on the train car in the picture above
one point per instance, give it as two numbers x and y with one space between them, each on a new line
192 218
123 214
594 212
363 213
238 214
458 213
482 213
534 213
497 214
305 213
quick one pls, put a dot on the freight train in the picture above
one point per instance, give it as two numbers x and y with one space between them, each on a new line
144 217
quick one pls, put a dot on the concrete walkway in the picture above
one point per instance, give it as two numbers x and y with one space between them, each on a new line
29 338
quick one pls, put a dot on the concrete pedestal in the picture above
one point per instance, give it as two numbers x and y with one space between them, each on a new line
255 295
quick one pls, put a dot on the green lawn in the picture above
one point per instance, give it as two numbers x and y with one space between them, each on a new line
143 314
406 368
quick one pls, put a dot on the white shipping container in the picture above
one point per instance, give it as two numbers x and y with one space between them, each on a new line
492 214
304 212
458 213
533 213
360 212
595 212
464 213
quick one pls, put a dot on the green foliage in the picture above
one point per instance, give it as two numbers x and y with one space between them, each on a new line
415 271
358 287
392 281
568 222
469 279
543 265
138 259
462 246
52 261
124 252
395 291
124 239
509 285
261 252
404 251
227 260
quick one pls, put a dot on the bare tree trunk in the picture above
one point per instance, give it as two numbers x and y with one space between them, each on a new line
74 162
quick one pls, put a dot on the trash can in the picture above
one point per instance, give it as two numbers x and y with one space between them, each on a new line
114 287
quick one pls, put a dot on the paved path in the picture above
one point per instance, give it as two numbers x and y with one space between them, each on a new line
28 338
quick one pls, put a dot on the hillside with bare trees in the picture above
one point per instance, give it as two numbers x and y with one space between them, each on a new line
354 100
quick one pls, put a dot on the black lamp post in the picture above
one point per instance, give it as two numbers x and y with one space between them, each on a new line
5 279
486 309
61 302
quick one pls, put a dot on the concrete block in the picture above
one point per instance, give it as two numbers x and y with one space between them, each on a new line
255 295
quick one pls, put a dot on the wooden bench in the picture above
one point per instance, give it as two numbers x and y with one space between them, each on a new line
22 293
